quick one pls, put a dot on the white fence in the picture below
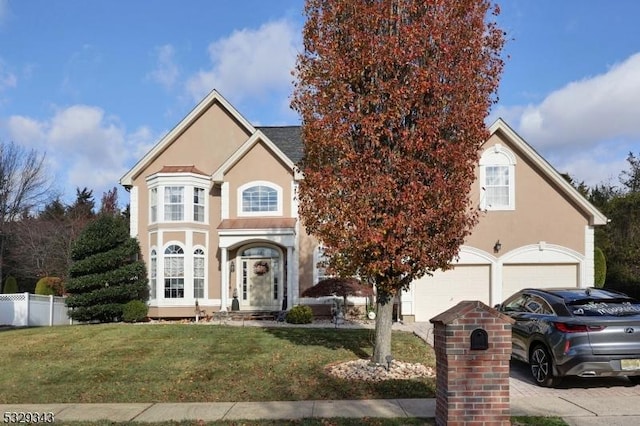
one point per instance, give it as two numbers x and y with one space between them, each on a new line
24 309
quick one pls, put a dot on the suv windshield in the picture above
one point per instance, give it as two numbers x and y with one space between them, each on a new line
610 307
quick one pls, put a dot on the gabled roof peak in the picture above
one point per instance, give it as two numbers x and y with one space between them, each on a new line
212 98
595 216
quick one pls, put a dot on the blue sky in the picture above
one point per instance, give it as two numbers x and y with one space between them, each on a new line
95 84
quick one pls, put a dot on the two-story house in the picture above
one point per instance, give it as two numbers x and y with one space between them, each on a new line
213 206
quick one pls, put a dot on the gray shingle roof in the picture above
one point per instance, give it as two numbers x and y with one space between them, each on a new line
287 138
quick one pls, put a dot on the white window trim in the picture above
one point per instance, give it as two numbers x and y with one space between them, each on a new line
175 190
241 189
189 246
153 295
497 155
204 204
186 274
205 272
189 182
155 191
134 202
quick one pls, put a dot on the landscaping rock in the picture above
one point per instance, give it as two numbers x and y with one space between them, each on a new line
363 369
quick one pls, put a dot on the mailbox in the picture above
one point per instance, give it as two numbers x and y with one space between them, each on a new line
479 340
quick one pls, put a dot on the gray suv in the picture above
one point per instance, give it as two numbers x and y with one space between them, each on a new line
585 332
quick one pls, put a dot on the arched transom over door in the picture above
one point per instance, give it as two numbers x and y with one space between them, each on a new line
260 285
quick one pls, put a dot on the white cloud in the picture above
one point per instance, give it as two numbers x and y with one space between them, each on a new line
585 112
588 127
27 131
249 63
84 147
166 72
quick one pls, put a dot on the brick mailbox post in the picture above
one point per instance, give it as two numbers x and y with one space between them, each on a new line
472 342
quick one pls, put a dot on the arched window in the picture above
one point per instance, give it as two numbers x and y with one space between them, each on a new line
174 272
497 179
260 198
198 273
260 251
153 273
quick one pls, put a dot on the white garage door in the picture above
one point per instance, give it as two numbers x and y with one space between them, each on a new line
517 277
436 294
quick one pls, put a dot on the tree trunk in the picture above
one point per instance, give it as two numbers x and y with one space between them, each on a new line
384 319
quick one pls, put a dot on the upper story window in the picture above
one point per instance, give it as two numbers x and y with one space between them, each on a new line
153 204
173 203
497 179
175 197
260 199
198 204
497 186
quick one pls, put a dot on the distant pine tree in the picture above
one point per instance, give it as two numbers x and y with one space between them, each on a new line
10 285
107 271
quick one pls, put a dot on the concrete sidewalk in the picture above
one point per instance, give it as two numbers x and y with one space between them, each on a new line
612 411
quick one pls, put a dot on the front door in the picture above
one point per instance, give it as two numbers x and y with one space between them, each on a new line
259 283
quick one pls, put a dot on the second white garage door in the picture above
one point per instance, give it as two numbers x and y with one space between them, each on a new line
436 294
517 277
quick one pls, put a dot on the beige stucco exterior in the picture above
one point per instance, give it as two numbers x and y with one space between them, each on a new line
259 164
216 150
542 212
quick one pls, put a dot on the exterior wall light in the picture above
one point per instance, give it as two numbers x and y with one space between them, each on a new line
497 247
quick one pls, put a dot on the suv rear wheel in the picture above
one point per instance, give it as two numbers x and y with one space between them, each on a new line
542 366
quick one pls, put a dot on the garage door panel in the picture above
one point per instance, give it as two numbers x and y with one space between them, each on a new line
517 277
445 289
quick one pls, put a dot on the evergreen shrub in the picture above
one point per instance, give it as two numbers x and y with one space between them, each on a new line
300 315
10 285
135 311
106 273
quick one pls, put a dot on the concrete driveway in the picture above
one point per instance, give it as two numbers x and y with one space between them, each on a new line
521 385
612 401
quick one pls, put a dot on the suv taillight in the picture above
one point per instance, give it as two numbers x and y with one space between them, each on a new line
576 328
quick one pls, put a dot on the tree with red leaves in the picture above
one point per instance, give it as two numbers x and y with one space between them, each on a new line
393 95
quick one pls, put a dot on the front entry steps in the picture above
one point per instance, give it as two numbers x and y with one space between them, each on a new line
253 315
269 315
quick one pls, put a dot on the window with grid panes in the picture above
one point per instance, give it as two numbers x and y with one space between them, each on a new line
173 203
174 272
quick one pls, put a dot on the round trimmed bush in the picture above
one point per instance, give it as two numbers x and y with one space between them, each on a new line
300 315
134 311
44 287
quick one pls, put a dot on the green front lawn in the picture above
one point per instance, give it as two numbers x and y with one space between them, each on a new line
194 363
